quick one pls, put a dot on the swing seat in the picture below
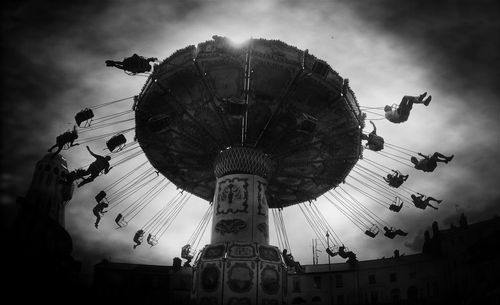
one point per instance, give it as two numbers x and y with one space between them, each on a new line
395 184
307 124
373 231
120 221
84 116
100 196
390 234
152 241
321 68
331 253
394 206
236 107
375 143
116 142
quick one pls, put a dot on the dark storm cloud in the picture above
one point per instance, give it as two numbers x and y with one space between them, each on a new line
36 37
459 36
458 43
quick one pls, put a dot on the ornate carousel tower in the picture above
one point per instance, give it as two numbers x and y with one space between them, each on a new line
250 127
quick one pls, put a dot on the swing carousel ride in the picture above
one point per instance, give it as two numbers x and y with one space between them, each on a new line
252 129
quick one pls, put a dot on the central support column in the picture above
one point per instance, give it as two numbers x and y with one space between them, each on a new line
239 266
240 209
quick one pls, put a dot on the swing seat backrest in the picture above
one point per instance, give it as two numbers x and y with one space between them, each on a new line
120 221
100 196
83 116
331 253
117 141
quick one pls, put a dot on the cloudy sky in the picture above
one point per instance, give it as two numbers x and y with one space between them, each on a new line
53 57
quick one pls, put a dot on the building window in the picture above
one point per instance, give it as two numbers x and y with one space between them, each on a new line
392 277
371 279
413 275
316 300
340 299
317 282
338 281
373 297
296 284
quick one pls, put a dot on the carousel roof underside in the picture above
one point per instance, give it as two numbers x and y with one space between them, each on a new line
263 94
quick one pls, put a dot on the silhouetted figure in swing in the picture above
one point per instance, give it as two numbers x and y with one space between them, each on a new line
391 233
330 252
290 262
349 255
138 237
72 176
134 64
64 139
422 203
428 164
98 210
396 180
402 112
186 254
95 168
374 142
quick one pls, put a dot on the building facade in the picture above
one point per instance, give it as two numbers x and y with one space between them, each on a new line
458 265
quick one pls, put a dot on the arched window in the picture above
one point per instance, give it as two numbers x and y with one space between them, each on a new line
395 296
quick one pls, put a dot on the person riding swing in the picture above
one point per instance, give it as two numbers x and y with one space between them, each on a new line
98 210
396 180
95 168
402 112
67 138
351 256
374 142
428 164
290 262
391 233
138 238
422 203
134 64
